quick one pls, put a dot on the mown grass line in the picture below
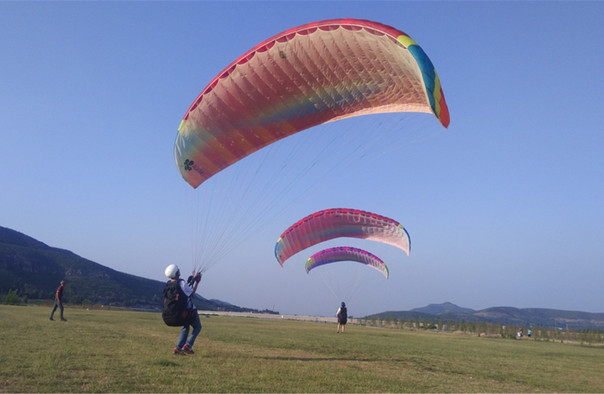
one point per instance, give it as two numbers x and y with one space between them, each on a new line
123 351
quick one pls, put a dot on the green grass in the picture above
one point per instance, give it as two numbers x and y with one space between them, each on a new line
122 351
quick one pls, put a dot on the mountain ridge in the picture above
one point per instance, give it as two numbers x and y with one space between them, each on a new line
35 269
445 307
542 317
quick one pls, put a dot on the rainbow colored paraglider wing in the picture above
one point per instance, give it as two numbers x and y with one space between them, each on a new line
304 77
340 222
346 253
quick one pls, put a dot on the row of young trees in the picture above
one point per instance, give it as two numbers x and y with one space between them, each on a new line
13 297
491 329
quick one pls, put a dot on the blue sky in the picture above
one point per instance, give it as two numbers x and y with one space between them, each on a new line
504 208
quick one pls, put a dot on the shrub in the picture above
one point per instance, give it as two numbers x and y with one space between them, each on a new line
12 298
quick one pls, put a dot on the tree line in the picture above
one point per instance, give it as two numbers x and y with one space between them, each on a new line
491 329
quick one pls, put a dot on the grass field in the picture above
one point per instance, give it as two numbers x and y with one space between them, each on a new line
122 351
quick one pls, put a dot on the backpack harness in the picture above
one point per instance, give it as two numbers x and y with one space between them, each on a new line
175 312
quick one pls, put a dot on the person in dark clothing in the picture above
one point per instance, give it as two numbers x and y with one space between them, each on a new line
58 301
342 316
184 345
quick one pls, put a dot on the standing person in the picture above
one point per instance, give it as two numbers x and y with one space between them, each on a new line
177 288
58 301
342 315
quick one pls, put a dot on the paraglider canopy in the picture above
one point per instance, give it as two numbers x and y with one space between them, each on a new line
346 253
303 77
340 222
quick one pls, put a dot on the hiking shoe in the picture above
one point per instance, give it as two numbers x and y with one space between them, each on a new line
63 319
51 318
178 352
187 349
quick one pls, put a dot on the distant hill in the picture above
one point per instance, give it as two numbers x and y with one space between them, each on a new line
35 269
441 309
537 317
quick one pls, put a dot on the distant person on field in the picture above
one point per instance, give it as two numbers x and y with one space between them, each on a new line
342 316
188 289
58 301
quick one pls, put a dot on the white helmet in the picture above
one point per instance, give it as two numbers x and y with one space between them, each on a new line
171 271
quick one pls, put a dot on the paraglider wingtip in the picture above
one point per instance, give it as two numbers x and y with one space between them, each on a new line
182 123
445 118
